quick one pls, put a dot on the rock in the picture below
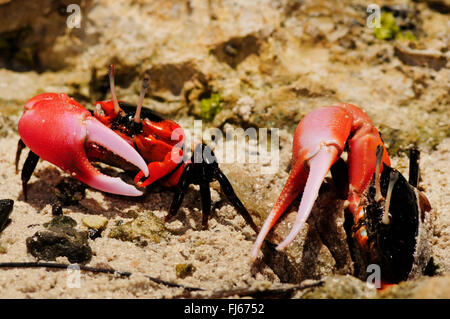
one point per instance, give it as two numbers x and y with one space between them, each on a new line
57 208
425 58
339 287
61 221
95 222
94 233
146 226
184 270
60 241
6 207
237 49
173 77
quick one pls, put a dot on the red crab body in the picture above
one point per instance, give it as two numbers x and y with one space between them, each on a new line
158 140
319 139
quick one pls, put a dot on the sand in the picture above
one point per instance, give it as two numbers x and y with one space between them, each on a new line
219 254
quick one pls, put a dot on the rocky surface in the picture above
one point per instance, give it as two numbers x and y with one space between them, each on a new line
339 287
423 288
142 228
261 64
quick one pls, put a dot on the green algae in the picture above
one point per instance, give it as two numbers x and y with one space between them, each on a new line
209 107
390 30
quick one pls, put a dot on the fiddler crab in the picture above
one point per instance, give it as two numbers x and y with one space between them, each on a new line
61 131
389 214
391 224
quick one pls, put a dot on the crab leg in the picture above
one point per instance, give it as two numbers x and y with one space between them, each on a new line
58 129
319 140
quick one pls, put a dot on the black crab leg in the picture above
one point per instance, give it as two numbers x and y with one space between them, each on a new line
414 155
27 171
205 193
234 200
28 166
178 197
339 173
20 146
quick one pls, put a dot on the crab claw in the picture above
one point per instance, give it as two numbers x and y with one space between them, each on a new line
319 139
315 150
58 129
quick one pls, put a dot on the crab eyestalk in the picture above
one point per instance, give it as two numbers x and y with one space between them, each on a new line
414 156
145 85
112 86
392 180
379 153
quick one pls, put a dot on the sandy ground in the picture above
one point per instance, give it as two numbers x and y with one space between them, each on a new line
220 254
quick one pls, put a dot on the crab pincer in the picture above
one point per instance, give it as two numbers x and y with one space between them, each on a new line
390 224
59 130
319 140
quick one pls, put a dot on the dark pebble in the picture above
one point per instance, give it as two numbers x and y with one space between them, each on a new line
57 208
60 241
6 207
94 233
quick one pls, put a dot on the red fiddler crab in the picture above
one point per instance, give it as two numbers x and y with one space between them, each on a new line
391 226
61 131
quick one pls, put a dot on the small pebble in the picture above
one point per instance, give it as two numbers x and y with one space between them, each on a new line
95 222
57 208
3 249
184 270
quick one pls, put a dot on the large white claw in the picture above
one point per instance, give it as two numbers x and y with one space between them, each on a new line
101 135
319 166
